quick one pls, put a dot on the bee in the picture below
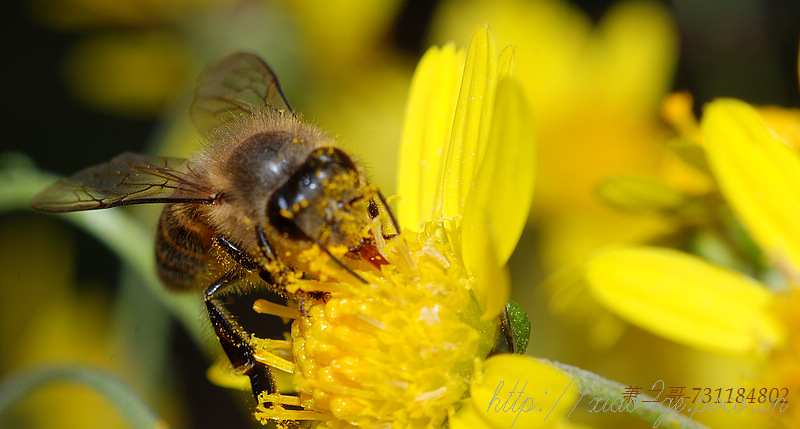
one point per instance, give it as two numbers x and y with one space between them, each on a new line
266 188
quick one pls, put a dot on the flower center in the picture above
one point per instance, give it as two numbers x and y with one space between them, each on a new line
401 349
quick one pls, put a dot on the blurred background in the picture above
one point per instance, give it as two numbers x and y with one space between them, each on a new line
87 79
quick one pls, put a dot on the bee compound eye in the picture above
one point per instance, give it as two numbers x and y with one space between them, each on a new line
282 217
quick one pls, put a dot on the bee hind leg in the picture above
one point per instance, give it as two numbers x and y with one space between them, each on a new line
234 339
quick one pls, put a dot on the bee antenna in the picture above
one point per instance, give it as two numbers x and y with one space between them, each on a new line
389 211
341 264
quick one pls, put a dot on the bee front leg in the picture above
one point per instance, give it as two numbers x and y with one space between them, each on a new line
238 255
234 339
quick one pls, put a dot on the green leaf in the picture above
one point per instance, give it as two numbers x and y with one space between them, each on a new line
520 326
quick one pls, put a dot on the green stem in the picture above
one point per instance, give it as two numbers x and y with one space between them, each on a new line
129 404
595 386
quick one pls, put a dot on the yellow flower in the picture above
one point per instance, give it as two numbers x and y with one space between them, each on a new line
595 92
688 299
409 348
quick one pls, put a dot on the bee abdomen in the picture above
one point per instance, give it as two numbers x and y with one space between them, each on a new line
182 249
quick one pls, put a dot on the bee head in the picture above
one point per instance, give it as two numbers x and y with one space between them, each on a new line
326 200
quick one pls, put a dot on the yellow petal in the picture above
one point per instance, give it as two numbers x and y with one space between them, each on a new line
426 133
492 284
472 122
569 299
685 299
519 392
783 122
222 374
637 48
498 206
759 176
467 417
505 67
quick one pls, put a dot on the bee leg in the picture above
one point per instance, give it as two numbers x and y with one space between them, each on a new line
249 263
277 278
234 339
239 256
390 213
264 245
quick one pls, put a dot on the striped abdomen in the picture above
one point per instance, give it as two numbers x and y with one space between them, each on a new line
183 244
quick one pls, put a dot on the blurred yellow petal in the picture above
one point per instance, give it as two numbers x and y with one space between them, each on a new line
498 206
676 109
505 66
568 297
428 123
341 31
759 176
685 299
472 122
518 391
131 74
784 122
636 44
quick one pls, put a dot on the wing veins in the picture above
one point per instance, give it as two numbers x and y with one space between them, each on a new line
128 179
233 85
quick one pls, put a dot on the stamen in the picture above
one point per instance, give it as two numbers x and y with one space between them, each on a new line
277 398
278 413
434 394
274 361
438 257
264 306
314 286
377 237
270 344
372 321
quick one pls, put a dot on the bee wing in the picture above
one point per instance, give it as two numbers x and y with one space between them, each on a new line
127 179
234 85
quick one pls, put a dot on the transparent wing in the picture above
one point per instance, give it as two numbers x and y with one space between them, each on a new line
127 179
234 85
